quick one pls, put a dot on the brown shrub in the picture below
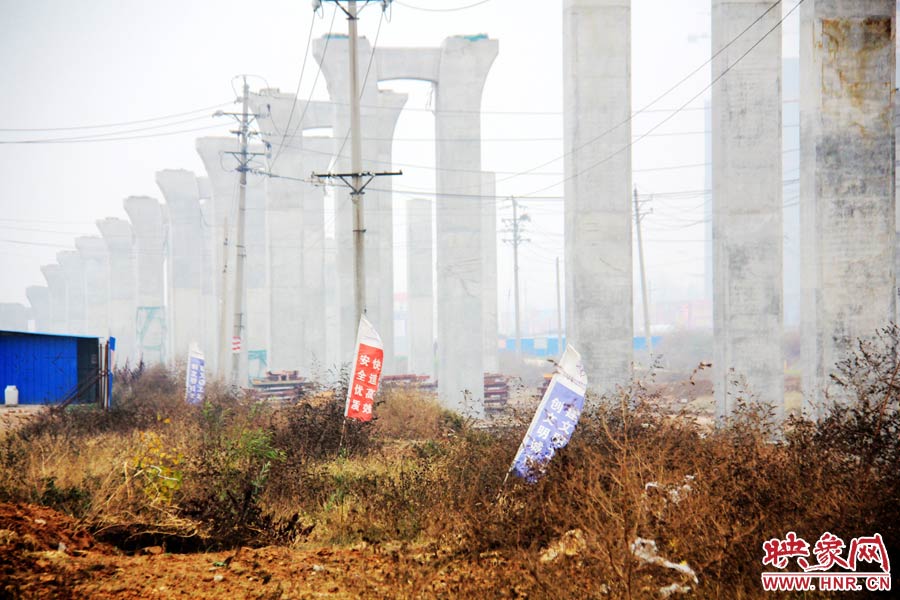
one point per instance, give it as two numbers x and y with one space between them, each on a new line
251 474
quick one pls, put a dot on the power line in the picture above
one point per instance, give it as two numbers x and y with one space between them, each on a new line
532 113
7 219
442 10
312 23
119 133
658 98
498 172
547 139
87 140
700 93
311 91
119 124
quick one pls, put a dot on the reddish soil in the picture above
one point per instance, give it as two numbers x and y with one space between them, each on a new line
13 417
33 564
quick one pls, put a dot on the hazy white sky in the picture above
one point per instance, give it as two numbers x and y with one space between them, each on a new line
96 62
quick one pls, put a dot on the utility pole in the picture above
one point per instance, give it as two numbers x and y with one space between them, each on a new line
238 325
354 179
515 226
243 157
637 223
558 311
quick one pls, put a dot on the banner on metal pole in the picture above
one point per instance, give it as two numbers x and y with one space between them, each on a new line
555 418
195 386
110 368
112 353
366 373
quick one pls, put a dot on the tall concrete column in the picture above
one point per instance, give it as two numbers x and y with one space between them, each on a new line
420 286
209 318
13 316
896 212
256 278
596 101
73 271
223 215
56 285
119 239
332 306
295 228
380 219
39 301
316 157
747 207
147 223
379 112
285 245
95 258
489 273
463 69
185 259
847 66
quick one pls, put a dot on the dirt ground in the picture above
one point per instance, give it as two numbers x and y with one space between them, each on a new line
44 554
12 417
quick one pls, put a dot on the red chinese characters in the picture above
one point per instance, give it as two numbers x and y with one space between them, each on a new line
777 552
364 383
829 551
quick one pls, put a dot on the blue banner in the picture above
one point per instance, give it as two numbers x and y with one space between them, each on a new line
110 369
196 377
555 418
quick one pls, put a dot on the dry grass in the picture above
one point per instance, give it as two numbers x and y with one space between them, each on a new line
235 472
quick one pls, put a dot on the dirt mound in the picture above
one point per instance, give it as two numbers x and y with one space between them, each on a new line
33 565
36 528
35 546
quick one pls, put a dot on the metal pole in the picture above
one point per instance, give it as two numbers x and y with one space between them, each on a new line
637 221
515 242
359 227
558 311
238 324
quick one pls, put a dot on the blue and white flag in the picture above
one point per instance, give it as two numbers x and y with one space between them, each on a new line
555 418
195 385
110 367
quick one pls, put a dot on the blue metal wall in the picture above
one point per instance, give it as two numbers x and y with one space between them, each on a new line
44 367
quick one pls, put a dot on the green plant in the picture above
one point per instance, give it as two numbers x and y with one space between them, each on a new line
231 468
157 468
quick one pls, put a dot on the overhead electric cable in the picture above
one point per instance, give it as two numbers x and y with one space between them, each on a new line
442 10
89 139
667 118
659 97
119 124
299 81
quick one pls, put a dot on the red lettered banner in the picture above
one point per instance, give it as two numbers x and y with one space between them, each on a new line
366 374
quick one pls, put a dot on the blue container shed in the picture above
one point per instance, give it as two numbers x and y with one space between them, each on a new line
49 368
